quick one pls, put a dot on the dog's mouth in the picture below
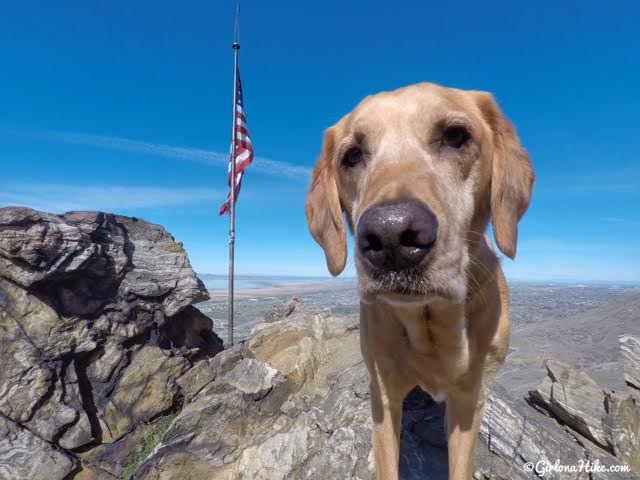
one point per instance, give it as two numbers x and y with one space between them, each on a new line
409 282
404 286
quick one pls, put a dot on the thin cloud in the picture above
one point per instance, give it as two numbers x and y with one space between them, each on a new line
623 180
627 221
586 189
197 155
60 198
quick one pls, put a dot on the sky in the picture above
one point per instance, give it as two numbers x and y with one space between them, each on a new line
126 107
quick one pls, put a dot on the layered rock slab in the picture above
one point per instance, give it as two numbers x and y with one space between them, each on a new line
96 327
303 412
630 350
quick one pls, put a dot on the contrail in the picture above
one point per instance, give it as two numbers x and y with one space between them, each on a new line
260 164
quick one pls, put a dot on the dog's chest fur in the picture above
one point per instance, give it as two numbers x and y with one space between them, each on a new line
434 350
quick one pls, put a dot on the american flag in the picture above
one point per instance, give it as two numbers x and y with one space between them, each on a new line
244 148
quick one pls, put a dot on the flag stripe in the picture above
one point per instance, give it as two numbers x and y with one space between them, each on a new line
243 148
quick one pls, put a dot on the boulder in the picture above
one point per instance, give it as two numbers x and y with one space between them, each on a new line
630 349
514 435
146 388
292 401
103 353
97 325
623 421
25 455
252 377
108 460
281 311
609 419
255 419
576 399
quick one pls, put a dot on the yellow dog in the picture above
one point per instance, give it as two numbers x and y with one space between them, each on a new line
418 173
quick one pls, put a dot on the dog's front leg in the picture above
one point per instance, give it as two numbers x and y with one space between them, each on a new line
386 410
463 414
381 340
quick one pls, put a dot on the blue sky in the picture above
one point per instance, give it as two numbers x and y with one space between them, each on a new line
126 107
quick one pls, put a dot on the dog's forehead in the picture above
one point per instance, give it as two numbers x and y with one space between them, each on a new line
416 104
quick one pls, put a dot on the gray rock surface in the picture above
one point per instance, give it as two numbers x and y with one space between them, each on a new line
630 348
576 399
262 415
302 412
623 421
252 377
281 311
99 340
513 434
24 455
96 328
610 419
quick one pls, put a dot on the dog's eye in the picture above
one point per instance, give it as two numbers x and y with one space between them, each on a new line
455 137
352 158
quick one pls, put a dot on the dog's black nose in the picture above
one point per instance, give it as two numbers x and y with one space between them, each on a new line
396 236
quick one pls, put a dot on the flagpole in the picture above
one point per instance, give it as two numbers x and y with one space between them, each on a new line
232 200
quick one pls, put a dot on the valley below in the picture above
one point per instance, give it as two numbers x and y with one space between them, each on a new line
573 322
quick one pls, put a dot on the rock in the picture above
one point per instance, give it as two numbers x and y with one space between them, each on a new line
576 399
108 460
96 326
24 455
78 435
206 371
252 377
25 378
293 402
514 434
162 268
101 348
630 349
196 378
255 419
423 442
52 415
35 246
610 419
146 388
623 421
191 332
282 311
89 472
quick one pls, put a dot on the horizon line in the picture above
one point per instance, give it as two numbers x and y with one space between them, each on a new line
354 277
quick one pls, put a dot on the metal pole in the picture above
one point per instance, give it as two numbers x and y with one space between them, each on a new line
232 205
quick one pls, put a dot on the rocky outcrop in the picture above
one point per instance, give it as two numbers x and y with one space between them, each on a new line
292 402
102 351
25 455
630 348
514 435
576 399
261 412
97 328
609 419
281 311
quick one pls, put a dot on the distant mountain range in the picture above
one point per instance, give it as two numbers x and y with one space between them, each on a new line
216 281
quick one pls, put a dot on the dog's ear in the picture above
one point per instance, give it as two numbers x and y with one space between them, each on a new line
323 210
511 177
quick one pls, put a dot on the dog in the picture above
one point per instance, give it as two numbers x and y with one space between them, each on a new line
418 173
